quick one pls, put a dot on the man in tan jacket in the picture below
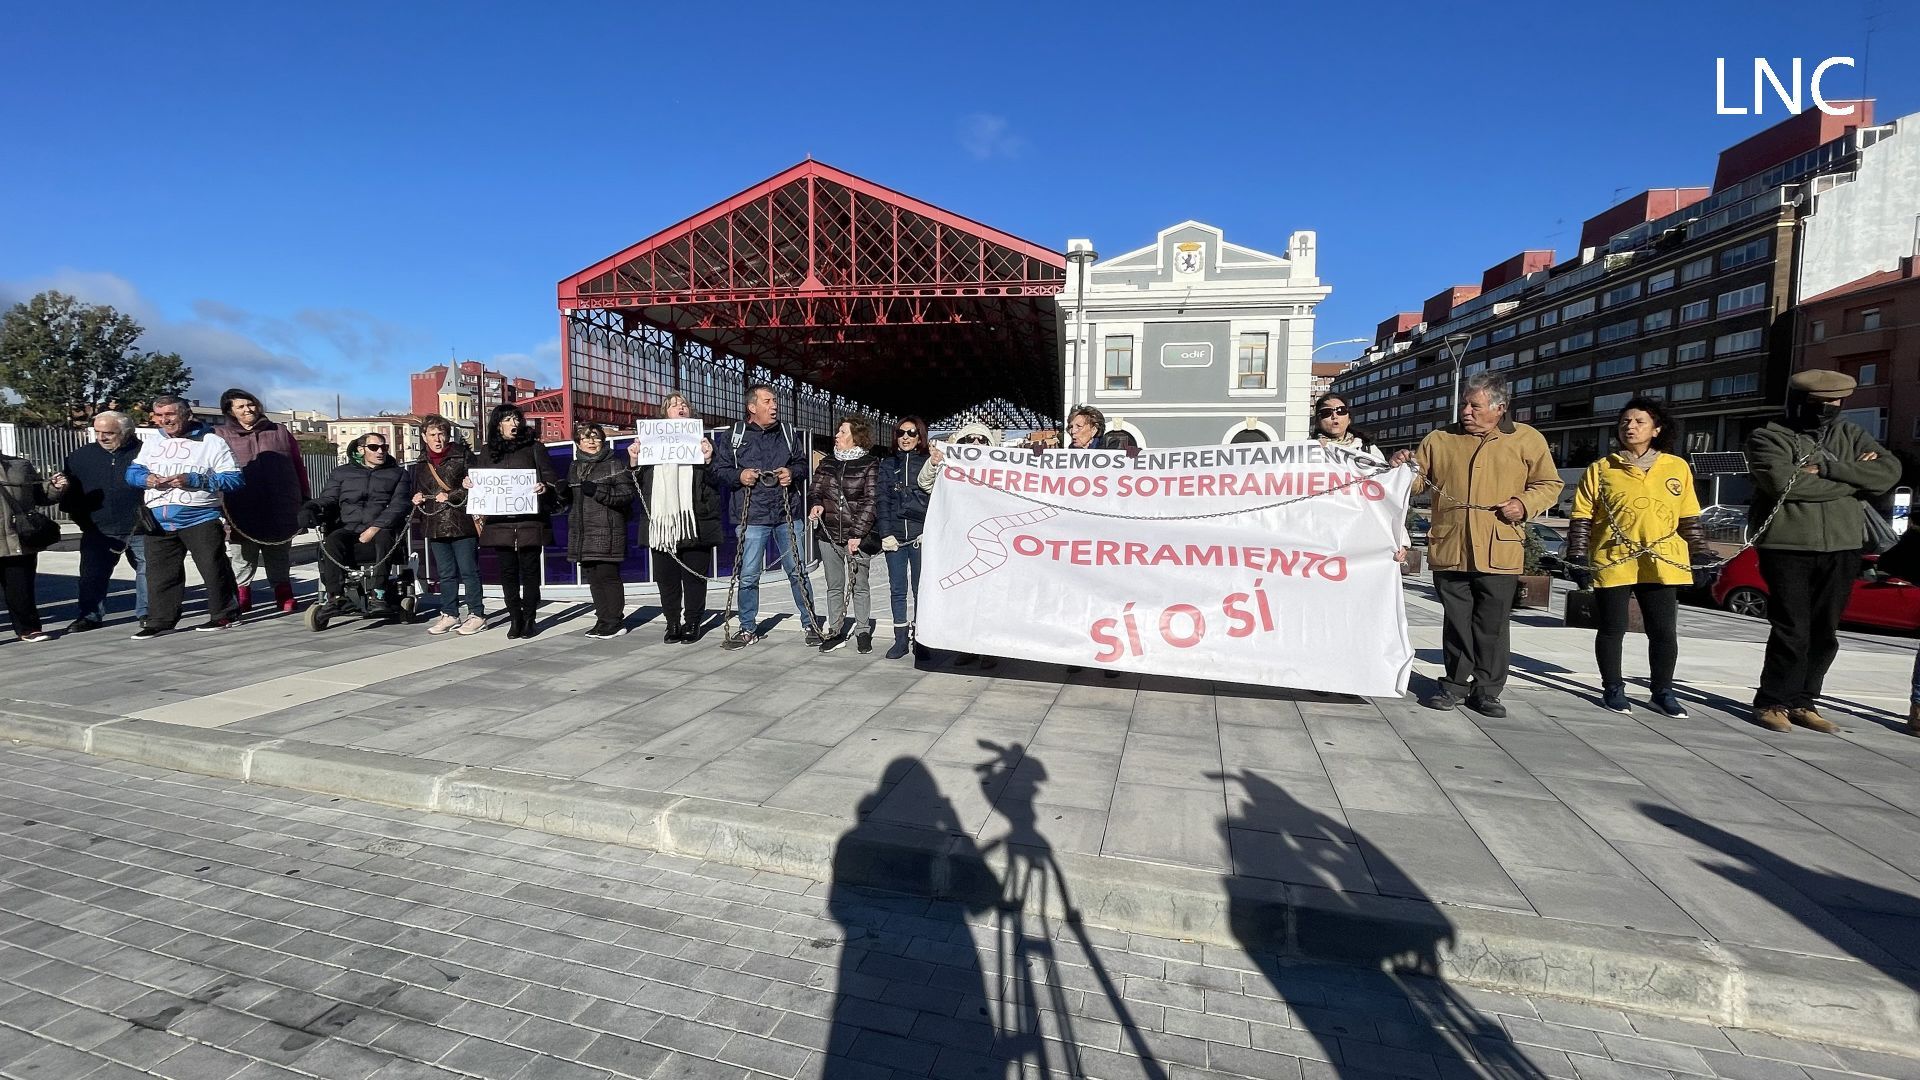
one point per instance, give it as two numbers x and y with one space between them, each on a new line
1489 476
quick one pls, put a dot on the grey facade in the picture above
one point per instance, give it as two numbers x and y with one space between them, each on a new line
1193 340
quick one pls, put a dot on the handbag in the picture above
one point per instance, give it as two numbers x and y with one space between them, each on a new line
1879 535
36 531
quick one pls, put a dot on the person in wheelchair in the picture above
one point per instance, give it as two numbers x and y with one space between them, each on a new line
363 511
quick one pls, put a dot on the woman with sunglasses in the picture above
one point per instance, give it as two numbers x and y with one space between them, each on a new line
903 517
1333 426
597 531
975 434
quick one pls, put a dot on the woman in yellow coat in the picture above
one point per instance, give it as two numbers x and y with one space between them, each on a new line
1636 524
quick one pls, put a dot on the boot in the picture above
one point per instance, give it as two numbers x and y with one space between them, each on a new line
243 599
692 632
1810 719
1772 717
900 644
513 621
1913 720
283 596
673 632
527 619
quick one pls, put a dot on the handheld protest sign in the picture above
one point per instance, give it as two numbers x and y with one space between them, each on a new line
667 442
502 491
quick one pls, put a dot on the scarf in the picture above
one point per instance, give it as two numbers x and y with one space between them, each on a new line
854 454
441 457
670 507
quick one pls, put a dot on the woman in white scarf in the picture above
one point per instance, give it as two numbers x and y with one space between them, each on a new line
682 528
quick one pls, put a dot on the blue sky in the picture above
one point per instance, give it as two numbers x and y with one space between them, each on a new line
311 199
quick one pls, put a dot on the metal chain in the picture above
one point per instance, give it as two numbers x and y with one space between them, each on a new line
1637 551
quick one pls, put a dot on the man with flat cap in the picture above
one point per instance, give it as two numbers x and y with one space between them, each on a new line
1815 468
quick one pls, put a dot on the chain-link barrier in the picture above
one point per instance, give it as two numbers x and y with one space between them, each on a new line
1637 551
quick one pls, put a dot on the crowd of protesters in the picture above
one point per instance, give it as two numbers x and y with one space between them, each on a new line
233 498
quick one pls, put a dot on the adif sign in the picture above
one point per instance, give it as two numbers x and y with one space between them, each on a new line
1788 92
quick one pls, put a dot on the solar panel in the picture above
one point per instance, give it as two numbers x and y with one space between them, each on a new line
1718 463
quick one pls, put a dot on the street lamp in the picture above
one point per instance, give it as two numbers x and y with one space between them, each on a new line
1456 344
1081 254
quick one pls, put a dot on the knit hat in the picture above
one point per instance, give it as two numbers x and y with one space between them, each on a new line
975 429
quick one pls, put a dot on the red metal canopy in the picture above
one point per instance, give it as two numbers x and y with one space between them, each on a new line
858 289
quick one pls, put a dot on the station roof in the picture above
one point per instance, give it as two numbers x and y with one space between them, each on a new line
856 288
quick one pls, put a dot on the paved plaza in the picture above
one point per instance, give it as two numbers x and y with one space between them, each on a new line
1561 824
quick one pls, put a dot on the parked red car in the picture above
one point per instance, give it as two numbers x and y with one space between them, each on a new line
1886 603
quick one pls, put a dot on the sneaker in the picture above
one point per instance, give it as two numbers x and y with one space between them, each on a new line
445 624
740 640
81 626
471 625
837 641
148 633
1772 717
37 635
1614 699
864 641
598 630
814 637
1487 707
216 624
1441 702
1669 703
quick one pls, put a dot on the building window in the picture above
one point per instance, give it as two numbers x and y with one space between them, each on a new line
1576 341
1526 325
1746 299
1543 412
1744 341
1688 391
1253 362
1549 349
1696 270
1578 373
1525 357
1523 414
1619 330
1657 320
1621 294
1660 282
1751 251
1577 309
1504 333
1734 385
1501 362
1819 329
1874 421
1546 380
1653 358
1696 312
1619 365
1607 403
1868 373
1521 386
1120 362
1691 351
1870 318
1549 318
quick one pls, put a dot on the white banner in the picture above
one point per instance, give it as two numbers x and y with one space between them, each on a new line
1267 563
502 491
667 442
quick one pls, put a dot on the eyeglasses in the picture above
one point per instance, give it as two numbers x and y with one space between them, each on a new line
972 440
907 433
378 447
1334 410
592 438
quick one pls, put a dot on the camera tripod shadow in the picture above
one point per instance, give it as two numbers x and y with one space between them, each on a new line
1379 960
1018 1018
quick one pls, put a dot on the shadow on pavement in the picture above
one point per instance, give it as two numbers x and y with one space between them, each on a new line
1887 920
1384 964
1012 1019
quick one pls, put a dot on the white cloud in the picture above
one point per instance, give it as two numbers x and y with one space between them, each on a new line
541 363
989 135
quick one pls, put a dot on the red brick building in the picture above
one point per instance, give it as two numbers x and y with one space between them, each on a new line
1870 329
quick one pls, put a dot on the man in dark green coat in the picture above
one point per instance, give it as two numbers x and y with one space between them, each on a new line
1815 468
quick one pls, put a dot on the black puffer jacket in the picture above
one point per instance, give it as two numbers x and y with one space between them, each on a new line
523 530
706 509
363 498
903 502
445 520
602 506
848 495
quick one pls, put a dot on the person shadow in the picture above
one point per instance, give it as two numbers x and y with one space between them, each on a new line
1014 1018
1875 924
1371 964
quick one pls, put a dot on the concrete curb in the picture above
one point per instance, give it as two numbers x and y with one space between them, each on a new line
1801 996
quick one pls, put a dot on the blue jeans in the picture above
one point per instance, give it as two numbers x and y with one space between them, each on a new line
99 556
1916 678
752 556
456 566
903 568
